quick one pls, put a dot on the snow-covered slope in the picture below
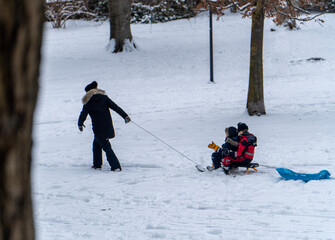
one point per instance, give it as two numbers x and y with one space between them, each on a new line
164 87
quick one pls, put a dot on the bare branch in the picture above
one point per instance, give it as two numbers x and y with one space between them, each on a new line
242 8
297 8
306 19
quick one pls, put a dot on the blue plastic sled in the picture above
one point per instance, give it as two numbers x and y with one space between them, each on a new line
290 175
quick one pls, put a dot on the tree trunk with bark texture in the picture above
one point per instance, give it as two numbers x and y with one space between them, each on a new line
21 25
255 102
120 33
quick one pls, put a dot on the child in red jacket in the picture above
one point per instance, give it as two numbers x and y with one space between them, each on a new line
245 150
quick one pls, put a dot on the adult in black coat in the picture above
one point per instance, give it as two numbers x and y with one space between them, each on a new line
97 105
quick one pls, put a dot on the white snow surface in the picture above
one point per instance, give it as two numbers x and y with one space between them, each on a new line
164 87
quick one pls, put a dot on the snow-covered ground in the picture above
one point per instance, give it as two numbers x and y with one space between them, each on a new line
164 87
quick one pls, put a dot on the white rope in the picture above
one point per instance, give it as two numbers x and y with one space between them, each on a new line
164 143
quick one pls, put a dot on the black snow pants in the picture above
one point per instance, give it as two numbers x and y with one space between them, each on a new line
98 146
216 159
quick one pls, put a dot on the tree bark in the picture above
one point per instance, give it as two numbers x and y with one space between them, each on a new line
120 34
255 102
21 25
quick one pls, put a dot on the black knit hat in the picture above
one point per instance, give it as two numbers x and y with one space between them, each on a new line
242 126
91 86
232 132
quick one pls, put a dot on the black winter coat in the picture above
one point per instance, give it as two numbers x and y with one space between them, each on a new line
231 142
97 105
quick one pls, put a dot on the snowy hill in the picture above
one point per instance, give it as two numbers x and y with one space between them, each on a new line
164 87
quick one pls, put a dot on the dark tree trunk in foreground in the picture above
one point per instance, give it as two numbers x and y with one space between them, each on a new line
21 23
255 102
120 33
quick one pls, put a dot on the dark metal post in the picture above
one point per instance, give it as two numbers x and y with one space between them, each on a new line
211 46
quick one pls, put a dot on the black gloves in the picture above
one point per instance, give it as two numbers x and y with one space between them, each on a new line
81 128
226 152
127 119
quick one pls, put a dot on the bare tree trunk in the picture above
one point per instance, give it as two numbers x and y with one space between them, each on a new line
255 102
21 24
120 33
